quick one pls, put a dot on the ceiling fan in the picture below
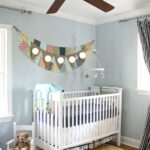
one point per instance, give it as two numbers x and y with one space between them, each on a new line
100 4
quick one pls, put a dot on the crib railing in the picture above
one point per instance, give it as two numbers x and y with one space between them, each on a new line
78 94
79 118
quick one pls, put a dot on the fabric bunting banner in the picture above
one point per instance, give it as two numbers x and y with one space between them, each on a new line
53 58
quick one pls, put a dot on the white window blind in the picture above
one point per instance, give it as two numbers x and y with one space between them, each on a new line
5 72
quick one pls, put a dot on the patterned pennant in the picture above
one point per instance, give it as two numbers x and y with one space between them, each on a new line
59 65
43 46
62 51
48 66
42 64
37 43
38 58
88 46
23 46
68 65
79 61
55 68
70 51
83 47
50 48
63 68
32 56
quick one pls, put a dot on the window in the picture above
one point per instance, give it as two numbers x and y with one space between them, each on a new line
5 73
143 84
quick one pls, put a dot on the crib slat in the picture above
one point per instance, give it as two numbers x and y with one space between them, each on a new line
109 117
77 115
64 121
38 127
111 109
84 101
106 113
100 114
84 127
41 117
48 129
73 113
103 132
48 120
52 126
87 116
91 114
94 117
116 113
112 118
60 116
87 105
68 120
44 129
80 119
90 110
97 116
56 125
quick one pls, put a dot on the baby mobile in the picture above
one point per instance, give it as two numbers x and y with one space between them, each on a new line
54 58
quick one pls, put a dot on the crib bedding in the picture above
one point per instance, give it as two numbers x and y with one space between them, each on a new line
79 116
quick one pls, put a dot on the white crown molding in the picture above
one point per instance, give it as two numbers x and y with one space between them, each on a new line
128 15
75 18
42 9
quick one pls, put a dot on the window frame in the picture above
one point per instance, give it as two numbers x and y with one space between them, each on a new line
8 80
139 78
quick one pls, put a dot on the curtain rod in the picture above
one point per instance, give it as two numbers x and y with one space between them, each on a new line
23 11
134 18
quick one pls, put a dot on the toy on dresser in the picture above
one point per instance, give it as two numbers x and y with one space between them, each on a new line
22 142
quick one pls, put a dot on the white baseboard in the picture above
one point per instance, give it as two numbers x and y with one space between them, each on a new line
130 142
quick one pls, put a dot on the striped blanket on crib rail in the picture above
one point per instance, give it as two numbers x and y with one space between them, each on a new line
145 142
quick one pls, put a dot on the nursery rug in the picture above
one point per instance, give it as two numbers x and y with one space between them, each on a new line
107 147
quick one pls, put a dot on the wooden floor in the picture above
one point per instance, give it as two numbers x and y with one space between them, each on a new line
125 147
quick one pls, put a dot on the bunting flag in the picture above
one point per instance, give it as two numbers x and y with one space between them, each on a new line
50 57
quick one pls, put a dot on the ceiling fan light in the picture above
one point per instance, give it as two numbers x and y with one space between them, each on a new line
48 58
82 55
60 60
72 59
35 51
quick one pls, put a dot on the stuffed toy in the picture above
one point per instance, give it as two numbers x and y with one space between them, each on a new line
22 142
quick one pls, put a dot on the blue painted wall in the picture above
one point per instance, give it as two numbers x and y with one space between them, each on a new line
51 30
117 50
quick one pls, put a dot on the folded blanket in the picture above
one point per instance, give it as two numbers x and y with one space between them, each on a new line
43 91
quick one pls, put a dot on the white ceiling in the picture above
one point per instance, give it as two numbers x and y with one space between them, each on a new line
84 12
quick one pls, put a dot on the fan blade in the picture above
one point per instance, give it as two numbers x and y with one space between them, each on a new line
100 4
55 6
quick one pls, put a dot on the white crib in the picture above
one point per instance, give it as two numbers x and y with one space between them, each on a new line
78 118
